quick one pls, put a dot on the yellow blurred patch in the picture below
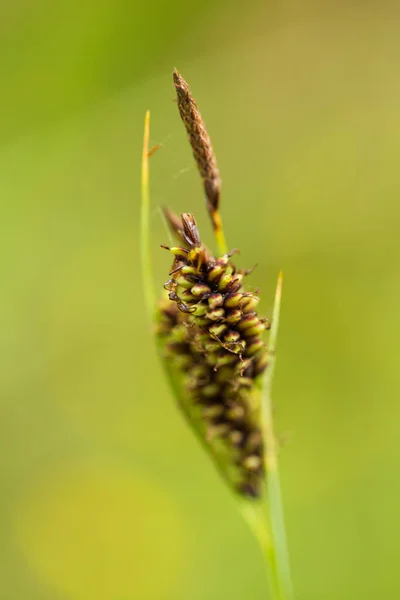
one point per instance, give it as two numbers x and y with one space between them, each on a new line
102 534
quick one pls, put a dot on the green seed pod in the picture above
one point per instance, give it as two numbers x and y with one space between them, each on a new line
226 358
249 304
256 329
184 282
236 436
200 290
233 300
216 314
215 301
247 322
210 390
214 411
231 336
188 270
199 310
234 316
236 413
215 273
217 330
225 282
254 345
252 463
212 346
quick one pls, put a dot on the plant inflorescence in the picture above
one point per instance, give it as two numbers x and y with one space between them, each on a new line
211 342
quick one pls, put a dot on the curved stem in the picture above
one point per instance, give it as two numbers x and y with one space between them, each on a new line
273 488
256 519
145 254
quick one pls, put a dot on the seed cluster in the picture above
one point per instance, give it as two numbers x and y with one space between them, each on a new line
211 331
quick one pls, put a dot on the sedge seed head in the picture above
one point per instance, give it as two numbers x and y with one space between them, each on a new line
219 358
208 328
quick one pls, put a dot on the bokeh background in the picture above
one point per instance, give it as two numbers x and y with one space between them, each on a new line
105 494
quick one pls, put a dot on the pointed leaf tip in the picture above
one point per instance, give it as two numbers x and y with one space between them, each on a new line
278 292
275 313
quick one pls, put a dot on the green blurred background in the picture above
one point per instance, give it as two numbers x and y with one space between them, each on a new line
105 494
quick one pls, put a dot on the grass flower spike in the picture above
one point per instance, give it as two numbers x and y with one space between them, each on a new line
211 332
210 339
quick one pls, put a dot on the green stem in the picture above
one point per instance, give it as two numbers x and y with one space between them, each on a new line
274 508
145 253
257 520
219 232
